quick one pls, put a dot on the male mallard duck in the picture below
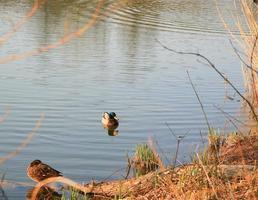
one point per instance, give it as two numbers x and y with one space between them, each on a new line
39 171
110 120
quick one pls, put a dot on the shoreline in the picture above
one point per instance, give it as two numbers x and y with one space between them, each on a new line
229 172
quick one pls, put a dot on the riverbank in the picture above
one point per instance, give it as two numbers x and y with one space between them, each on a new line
232 174
227 169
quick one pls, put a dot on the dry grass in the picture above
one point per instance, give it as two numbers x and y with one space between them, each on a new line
250 47
193 184
248 43
238 179
144 160
233 149
240 150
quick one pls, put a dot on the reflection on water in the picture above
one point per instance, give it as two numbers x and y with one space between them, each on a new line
115 65
111 131
44 192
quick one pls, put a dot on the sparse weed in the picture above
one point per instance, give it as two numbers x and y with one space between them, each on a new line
144 160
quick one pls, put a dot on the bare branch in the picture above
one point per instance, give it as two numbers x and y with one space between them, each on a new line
171 131
215 68
161 150
240 58
230 116
202 137
253 50
199 100
116 171
230 120
178 139
4 197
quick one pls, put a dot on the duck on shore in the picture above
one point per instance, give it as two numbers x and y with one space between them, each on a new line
38 171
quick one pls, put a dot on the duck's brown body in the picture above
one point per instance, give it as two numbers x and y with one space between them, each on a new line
39 171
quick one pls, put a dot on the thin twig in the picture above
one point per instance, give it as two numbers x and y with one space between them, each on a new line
161 150
231 116
177 149
240 58
215 68
1 188
178 139
253 50
171 131
251 62
199 100
116 171
230 120
129 165
202 137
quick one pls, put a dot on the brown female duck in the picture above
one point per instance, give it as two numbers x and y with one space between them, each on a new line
39 171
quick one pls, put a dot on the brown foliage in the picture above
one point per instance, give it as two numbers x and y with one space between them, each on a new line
241 151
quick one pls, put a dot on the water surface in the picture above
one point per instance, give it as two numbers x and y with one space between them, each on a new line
117 65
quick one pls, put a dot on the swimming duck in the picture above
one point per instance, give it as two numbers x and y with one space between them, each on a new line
39 171
110 120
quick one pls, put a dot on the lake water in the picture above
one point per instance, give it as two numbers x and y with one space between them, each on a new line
116 65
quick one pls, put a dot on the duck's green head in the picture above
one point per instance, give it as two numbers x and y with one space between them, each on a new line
112 115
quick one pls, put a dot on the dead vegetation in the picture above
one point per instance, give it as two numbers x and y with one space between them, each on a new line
247 43
144 160
240 150
234 175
